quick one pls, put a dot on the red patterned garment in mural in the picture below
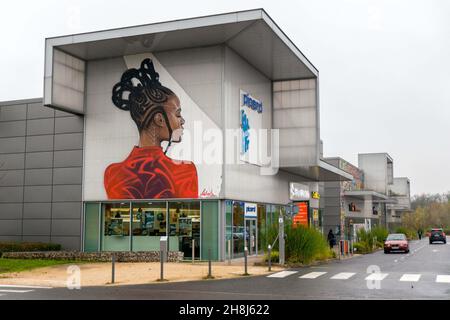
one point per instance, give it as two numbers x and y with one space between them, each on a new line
148 173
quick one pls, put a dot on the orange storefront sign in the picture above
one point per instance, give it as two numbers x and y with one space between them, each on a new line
301 218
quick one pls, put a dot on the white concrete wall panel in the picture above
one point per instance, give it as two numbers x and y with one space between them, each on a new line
375 171
68 82
296 115
244 181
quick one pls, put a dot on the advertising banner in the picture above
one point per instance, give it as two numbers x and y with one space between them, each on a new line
145 136
301 218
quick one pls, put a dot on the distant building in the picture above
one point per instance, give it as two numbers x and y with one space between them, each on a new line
373 198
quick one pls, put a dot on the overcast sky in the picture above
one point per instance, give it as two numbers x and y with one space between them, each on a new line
384 66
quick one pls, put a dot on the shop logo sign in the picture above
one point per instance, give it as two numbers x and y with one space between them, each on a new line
250 210
299 191
252 103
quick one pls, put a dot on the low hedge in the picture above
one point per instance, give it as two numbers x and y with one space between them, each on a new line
28 246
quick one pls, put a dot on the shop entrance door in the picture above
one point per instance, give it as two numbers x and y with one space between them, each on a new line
251 240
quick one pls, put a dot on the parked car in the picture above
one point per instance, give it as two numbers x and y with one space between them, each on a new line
396 242
437 234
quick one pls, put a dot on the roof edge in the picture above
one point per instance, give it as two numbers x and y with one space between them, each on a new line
21 101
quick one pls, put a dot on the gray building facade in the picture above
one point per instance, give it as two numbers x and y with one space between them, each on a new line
41 161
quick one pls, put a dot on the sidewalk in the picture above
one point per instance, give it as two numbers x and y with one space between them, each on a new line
127 273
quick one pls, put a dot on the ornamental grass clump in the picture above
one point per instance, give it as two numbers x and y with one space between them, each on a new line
305 245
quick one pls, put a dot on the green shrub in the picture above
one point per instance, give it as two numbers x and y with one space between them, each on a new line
275 256
410 234
28 246
380 233
268 237
369 240
366 239
360 247
304 245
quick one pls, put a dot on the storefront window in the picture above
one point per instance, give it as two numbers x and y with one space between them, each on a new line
275 215
210 230
148 225
184 224
91 227
229 226
238 229
116 226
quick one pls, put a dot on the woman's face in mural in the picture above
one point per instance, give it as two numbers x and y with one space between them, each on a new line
176 120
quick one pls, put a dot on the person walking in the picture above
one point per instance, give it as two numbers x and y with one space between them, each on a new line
419 232
331 239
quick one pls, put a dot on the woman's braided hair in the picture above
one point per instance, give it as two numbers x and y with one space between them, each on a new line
140 92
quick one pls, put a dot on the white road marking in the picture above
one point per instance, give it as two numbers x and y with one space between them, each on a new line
21 286
16 291
281 274
434 250
377 276
395 260
312 275
343 276
410 277
443 278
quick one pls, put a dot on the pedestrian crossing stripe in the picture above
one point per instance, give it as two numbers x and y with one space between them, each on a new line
343 276
16 291
312 275
443 278
407 277
282 274
410 277
376 276
22 286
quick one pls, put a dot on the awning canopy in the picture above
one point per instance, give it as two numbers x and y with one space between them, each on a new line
368 194
251 34
321 172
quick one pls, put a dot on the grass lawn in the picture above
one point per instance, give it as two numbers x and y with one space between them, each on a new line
17 265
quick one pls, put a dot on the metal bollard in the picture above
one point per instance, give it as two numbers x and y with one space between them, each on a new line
269 249
193 250
209 264
113 271
245 261
229 252
161 258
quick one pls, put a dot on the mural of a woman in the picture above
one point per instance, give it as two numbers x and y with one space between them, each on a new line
148 173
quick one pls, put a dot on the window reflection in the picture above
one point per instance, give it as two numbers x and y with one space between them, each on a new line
238 229
117 219
184 224
149 219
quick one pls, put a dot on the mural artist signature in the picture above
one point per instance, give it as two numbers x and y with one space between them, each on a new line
207 194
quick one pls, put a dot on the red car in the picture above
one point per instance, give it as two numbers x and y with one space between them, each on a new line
396 242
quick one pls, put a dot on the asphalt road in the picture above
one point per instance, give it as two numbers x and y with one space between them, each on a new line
424 273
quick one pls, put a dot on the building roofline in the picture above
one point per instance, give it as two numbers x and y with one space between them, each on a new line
373 153
258 13
21 101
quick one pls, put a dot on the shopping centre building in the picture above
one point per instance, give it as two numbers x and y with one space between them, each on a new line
203 130
372 198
